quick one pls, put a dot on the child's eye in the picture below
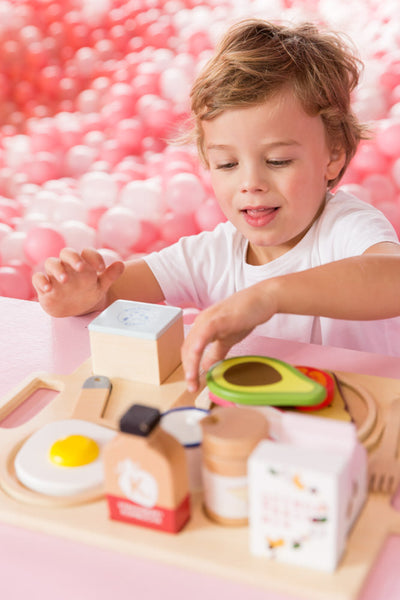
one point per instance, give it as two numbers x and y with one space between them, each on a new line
226 166
279 163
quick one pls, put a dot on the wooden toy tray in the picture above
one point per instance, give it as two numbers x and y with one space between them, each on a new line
202 545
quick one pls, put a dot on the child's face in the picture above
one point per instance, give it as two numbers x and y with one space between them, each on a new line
269 166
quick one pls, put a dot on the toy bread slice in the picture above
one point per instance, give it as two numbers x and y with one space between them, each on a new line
260 380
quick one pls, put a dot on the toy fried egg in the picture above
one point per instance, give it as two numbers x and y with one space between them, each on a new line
63 458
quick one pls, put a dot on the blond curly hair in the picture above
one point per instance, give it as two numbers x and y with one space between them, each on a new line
256 59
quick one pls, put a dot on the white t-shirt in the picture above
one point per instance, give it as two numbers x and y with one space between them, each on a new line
203 269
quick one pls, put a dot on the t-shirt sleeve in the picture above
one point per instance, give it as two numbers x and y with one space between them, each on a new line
353 226
191 270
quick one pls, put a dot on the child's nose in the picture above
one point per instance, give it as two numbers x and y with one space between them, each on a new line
253 180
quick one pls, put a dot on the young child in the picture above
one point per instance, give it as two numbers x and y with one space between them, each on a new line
273 123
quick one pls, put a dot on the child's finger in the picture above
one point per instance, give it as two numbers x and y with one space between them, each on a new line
94 259
41 283
214 353
54 267
72 258
192 352
111 274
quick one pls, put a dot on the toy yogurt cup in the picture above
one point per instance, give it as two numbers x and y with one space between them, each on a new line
184 424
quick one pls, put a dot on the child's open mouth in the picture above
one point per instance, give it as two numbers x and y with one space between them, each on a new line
259 217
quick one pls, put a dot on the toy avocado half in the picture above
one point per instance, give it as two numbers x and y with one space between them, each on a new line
260 380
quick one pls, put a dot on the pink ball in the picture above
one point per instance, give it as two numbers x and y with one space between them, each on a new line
388 138
79 159
78 235
10 210
118 229
129 134
208 215
176 167
380 187
86 60
12 246
88 101
98 189
109 256
149 234
5 230
174 226
13 284
94 215
156 114
144 198
41 167
175 85
67 207
42 242
70 130
184 193
43 134
94 139
369 159
395 172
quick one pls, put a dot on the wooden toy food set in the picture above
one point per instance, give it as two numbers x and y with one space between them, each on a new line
83 419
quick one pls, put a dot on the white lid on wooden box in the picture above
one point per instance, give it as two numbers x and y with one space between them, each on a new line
136 319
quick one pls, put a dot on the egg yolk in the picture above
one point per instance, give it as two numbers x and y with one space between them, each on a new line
74 451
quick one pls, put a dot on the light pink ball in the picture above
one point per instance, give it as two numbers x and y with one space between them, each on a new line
388 138
208 215
395 172
98 189
118 229
184 193
174 226
144 198
14 284
380 187
42 242
369 159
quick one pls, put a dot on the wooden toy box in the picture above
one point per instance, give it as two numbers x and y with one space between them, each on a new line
137 341
305 493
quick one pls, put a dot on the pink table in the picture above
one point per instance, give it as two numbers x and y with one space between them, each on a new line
36 564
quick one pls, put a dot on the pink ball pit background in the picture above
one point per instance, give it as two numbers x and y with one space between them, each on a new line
92 90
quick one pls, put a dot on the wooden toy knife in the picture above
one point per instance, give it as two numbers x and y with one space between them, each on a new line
92 400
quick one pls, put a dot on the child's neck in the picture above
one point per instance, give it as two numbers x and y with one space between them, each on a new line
261 255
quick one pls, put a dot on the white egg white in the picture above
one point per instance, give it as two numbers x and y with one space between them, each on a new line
35 470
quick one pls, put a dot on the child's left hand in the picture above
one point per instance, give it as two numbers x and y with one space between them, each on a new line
223 325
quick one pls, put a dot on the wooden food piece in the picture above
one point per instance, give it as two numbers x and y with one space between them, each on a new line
384 468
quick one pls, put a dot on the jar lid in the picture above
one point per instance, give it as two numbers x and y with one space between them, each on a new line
183 423
139 420
233 432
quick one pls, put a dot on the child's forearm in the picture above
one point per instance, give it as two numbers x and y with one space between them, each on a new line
358 288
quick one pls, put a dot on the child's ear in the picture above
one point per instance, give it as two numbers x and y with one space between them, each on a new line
335 164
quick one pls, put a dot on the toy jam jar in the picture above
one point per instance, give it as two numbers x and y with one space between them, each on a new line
229 436
146 475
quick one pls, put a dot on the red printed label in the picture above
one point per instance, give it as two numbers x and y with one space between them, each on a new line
156 517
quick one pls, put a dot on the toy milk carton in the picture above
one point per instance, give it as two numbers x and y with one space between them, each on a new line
137 341
146 474
305 491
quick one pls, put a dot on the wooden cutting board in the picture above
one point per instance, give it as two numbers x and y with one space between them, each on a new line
202 545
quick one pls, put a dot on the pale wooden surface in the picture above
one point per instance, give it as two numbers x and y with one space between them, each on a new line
226 557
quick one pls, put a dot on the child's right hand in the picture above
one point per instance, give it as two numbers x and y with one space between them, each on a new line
75 283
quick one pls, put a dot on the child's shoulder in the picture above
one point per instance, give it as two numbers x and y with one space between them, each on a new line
346 197
344 204
351 224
